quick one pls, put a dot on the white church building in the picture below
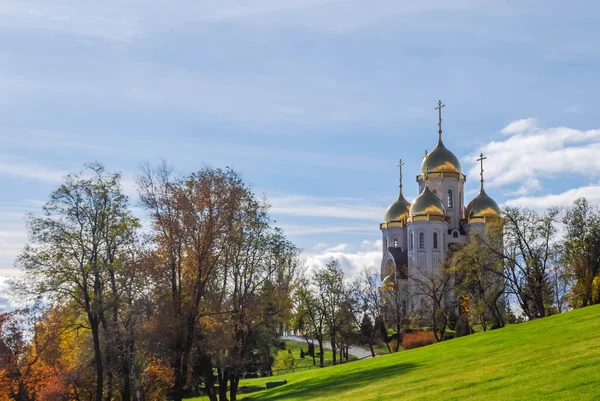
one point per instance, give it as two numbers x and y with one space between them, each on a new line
417 236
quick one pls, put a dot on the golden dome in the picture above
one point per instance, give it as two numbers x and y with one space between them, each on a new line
441 160
427 204
482 206
388 282
397 210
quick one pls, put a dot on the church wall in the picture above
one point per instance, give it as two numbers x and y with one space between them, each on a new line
423 257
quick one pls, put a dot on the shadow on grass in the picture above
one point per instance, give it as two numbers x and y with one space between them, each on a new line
331 383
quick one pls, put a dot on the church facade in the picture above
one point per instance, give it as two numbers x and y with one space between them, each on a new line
418 236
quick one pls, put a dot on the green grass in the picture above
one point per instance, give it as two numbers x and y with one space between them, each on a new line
549 359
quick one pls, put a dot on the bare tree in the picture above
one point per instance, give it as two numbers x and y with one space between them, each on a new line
527 253
369 304
434 287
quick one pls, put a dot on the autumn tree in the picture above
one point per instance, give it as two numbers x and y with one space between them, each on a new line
260 267
75 252
582 252
479 277
192 219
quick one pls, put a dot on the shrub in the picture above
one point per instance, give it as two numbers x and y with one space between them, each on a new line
285 361
417 339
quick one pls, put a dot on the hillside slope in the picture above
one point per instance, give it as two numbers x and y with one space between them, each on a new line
549 359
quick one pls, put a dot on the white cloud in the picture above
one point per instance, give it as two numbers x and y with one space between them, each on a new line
519 126
351 261
344 208
34 171
591 192
532 153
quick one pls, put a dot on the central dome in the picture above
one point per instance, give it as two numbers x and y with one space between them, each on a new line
441 160
427 204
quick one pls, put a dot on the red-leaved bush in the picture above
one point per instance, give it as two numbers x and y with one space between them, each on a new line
417 339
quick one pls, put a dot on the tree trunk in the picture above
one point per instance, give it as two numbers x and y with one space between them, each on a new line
321 360
177 370
223 379
333 350
126 371
233 388
97 358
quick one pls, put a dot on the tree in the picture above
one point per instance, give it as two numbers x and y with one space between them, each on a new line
313 316
330 287
192 220
582 252
434 287
369 303
527 254
478 273
76 250
394 303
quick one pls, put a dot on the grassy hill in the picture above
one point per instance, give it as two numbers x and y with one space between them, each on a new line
549 359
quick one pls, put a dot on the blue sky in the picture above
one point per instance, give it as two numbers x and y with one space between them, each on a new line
313 101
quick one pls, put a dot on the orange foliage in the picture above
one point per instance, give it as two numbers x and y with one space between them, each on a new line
156 380
417 339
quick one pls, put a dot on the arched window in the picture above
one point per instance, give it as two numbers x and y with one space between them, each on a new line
421 240
385 243
412 241
395 242
455 234
450 199
435 241
403 308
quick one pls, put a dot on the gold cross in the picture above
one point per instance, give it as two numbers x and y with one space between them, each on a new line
439 109
481 159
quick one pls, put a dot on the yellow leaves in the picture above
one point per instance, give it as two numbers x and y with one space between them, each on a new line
596 290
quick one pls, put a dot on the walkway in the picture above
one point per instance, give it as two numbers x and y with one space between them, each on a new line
356 351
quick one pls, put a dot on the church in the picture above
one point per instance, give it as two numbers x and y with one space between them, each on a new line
417 236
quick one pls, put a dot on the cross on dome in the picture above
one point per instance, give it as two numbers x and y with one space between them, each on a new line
400 164
439 109
481 159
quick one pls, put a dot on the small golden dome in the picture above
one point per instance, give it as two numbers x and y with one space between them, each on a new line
427 204
482 206
441 160
388 282
397 210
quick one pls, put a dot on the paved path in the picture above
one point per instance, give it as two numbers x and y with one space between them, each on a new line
356 351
